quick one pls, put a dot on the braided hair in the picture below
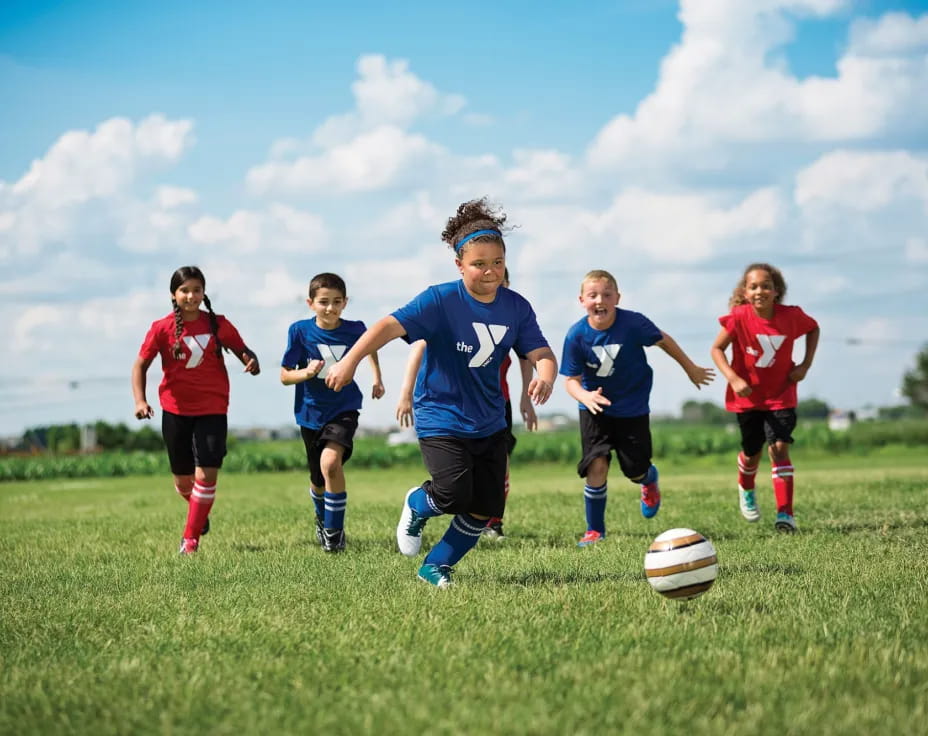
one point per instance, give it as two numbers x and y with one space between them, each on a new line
181 275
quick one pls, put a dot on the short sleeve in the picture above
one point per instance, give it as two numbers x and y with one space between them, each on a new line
728 322
295 354
229 336
421 316
571 356
803 323
648 332
150 345
530 337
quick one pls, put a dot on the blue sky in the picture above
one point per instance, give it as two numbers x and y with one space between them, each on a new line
671 143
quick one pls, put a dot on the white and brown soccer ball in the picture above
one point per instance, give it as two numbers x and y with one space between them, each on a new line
681 563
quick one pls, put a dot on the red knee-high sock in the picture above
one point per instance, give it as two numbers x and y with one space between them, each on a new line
499 519
201 502
746 473
783 486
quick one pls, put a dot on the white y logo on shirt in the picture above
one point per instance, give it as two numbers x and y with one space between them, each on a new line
331 354
606 354
196 344
769 344
489 337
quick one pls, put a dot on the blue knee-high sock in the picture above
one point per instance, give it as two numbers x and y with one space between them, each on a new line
594 500
318 503
423 504
335 504
463 533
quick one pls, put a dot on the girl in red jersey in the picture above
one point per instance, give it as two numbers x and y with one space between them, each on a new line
762 381
194 393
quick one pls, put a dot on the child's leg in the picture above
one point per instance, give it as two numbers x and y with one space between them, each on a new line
336 498
595 495
201 501
752 426
183 484
495 523
782 475
313 450
634 450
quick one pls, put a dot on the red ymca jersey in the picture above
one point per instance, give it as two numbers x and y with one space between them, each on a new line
503 370
762 354
197 383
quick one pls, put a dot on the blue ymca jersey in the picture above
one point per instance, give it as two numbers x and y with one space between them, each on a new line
613 359
457 391
314 403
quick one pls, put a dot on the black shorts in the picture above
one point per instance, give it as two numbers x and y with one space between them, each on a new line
770 426
630 437
194 442
339 430
510 437
468 475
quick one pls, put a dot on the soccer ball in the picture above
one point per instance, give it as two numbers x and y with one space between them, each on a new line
681 563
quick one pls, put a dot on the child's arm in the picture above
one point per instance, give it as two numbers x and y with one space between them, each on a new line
139 374
378 389
799 371
525 401
540 387
249 360
738 384
698 375
592 400
374 338
404 405
290 376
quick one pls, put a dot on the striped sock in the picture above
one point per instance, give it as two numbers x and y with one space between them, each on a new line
318 503
335 504
783 486
463 533
746 473
423 504
201 501
594 500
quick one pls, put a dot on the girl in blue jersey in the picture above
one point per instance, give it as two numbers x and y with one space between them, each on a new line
608 374
469 326
327 420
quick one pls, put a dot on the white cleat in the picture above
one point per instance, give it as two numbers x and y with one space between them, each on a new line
748 503
409 530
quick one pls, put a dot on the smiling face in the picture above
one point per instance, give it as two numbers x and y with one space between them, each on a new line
189 297
482 267
328 304
599 297
760 291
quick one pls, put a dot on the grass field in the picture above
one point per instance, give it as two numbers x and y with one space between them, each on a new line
104 630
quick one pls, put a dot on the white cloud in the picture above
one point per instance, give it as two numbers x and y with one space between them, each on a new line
723 86
373 160
279 228
170 197
863 180
916 250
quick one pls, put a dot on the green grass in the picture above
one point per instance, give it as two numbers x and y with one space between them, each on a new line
103 629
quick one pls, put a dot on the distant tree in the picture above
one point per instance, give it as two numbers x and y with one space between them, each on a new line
915 382
813 408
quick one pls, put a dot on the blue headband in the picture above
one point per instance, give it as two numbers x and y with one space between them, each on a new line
475 234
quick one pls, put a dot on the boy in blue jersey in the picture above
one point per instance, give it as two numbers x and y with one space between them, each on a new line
608 374
327 420
469 327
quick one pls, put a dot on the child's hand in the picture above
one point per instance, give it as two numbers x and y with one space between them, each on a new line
528 413
339 375
700 376
798 373
313 368
378 390
404 411
143 410
595 401
740 387
251 363
539 390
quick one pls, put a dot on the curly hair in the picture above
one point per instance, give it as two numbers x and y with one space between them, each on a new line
181 275
779 283
471 216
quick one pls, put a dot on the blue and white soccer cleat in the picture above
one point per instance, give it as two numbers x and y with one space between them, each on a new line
437 575
409 529
747 501
785 523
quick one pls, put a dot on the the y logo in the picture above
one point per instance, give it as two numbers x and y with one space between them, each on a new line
196 344
769 344
331 354
489 337
606 354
